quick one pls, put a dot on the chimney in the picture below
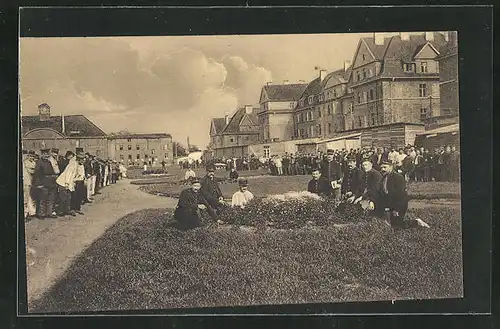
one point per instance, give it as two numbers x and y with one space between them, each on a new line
322 74
446 36
346 65
44 112
226 118
63 124
269 83
429 36
405 36
378 39
285 82
248 109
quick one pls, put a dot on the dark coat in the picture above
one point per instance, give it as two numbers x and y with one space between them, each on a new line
211 191
353 182
44 174
89 171
186 212
320 187
233 175
331 170
396 197
371 185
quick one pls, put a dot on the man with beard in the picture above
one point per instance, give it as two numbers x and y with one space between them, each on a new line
330 170
352 181
370 187
191 203
318 184
45 175
394 198
211 191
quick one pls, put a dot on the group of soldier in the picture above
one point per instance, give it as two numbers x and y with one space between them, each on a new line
56 186
415 164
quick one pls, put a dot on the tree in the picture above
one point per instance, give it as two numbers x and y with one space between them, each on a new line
179 150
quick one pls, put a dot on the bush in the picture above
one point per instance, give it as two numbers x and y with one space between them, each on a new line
154 172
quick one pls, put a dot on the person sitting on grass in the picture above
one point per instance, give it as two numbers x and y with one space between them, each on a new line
318 184
394 198
190 205
233 175
243 196
188 175
211 190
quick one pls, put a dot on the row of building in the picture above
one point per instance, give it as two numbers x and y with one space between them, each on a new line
67 132
394 90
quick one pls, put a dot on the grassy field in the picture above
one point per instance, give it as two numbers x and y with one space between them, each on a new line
266 185
143 263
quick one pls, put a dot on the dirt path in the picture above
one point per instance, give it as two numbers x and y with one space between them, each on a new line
56 242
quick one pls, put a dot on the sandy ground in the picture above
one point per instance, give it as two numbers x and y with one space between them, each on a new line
54 243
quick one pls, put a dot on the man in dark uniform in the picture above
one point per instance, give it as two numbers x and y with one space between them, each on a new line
370 187
353 181
318 184
45 175
330 170
64 161
211 190
394 198
191 202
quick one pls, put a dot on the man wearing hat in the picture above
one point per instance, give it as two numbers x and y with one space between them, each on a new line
243 196
45 175
318 184
353 180
211 190
79 194
394 198
191 203
29 164
330 170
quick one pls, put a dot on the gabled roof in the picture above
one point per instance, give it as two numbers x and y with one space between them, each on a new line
233 127
219 124
336 78
313 88
78 124
289 92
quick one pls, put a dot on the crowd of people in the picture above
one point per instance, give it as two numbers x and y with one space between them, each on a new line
415 164
56 186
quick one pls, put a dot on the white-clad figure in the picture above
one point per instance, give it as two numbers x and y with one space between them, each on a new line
243 196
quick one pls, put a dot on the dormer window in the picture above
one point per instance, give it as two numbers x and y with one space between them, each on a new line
310 99
423 67
364 73
408 67
363 55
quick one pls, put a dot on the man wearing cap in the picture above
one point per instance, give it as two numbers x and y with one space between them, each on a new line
66 183
394 198
29 164
191 203
211 190
45 175
318 184
243 196
370 188
330 170
353 181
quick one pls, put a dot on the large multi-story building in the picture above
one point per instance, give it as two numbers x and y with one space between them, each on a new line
239 131
65 132
276 115
139 148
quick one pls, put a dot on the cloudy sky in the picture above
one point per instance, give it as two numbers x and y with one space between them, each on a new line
168 84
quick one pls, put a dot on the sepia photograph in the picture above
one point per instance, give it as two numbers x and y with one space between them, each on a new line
167 172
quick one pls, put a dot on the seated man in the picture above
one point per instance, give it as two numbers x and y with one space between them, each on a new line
191 202
394 198
243 196
352 181
318 184
211 190
233 175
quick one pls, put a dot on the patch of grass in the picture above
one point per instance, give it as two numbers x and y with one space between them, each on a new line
143 263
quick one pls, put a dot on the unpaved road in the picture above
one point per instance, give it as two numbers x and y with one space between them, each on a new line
56 242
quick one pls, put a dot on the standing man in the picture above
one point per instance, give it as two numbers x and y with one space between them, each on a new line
286 165
279 165
29 164
80 192
66 184
211 190
318 184
88 178
455 164
46 172
353 181
394 198
330 169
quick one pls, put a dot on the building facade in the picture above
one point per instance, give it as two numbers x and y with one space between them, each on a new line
448 78
135 149
276 113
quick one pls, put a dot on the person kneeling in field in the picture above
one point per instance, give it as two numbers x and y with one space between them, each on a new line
394 198
191 204
243 196
318 184
351 187
370 188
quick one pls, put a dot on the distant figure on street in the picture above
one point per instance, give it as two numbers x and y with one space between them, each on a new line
318 184
243 196
145 166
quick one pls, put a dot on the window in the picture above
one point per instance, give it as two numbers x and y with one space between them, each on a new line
301 102
373 119
358 75
303 133
372 94
130 156
359 97
298 118
329 127
423 113
329 109
310 99
363 55
231 139
408 67
302 117
137 147
370 72
365 96
319 113
121 156
364 73
359 121
291 105
312 131
267 152
422 90
423 67
321 97
129 140
319 130
334 107
129 147
121 147
166 156
138 156
152 151
334 92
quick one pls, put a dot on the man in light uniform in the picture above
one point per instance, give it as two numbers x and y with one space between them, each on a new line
243 196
